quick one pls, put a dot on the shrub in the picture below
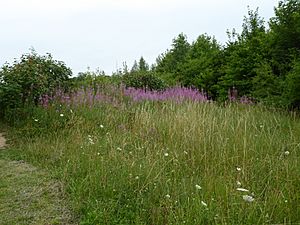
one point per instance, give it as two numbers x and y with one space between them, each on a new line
145 80
23 82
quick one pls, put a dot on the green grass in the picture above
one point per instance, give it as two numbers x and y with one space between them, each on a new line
140 164
30 196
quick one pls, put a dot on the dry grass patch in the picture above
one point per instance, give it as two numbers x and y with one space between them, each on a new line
2 141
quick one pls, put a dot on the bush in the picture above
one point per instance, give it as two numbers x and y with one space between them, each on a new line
144 79
25 81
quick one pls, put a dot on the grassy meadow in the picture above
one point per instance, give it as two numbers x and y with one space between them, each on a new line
166 162
131 147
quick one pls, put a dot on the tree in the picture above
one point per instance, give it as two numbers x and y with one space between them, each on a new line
243 56
293 85
253 25
141 77
125 68
201 66
143 66
25 81
170 61
285 31
144 79
267 87
135 67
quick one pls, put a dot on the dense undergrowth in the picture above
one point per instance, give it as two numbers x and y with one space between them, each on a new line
165 162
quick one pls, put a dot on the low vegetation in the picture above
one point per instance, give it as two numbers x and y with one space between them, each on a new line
210 134
28 195
169 162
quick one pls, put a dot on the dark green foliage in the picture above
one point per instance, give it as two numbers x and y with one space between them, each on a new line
94 78
144 79
26 80
135 67
293 86
260 63
285 33
201 68
195 64
284 46
143 66
243 56
267 87
172 59
141 77
169 78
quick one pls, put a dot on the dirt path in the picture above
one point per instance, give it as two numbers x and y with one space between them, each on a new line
2 141
29 196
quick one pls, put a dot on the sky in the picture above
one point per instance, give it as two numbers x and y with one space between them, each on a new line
102 34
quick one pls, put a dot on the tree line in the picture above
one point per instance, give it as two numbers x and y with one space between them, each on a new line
262 62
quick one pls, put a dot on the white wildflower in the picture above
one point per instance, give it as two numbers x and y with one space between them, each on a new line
198 187
91 141
248 198
61 115
238 169
242 189
203 203
119 149
168 196
286 153
36 120
238 183
101 126
166 154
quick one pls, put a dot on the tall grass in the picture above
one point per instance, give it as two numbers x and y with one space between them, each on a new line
170 163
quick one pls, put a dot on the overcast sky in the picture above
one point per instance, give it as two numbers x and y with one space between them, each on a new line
104 33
